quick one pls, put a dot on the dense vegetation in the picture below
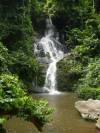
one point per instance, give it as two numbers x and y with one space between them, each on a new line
20 23
15 101
81 67
18 66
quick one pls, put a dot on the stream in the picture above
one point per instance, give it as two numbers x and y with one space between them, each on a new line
65 118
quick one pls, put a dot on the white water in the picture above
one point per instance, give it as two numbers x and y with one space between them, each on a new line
49 44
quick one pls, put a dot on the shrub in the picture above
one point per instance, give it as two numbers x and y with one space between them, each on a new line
91 74
14 101
88 92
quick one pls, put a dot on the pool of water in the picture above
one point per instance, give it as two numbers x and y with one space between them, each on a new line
65 118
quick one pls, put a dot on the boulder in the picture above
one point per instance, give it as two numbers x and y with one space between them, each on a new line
89 109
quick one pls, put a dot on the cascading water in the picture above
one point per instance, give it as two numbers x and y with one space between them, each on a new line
52 50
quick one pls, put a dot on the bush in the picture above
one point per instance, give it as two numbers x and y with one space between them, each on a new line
25 66
91 74
14 101
88 92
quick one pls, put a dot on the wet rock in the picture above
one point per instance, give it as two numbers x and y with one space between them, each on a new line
38 90
43 60
98 123
89 109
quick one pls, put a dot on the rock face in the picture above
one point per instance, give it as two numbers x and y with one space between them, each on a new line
89 109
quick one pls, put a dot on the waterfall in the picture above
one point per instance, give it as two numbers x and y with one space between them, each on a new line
52 50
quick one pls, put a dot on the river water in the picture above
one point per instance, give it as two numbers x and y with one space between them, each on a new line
65 118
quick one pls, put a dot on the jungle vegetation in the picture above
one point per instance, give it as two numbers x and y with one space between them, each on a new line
21 21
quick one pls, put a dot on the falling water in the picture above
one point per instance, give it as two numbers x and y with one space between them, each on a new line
51 48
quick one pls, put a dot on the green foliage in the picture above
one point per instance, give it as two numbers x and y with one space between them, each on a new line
10 86
21 64
83 43
68 13
35 110
38 15
69 71
14 101
16 29
86 42
92 76
87 93
2 121
16 36
16 57
84 48
26 67
80 70
3 58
